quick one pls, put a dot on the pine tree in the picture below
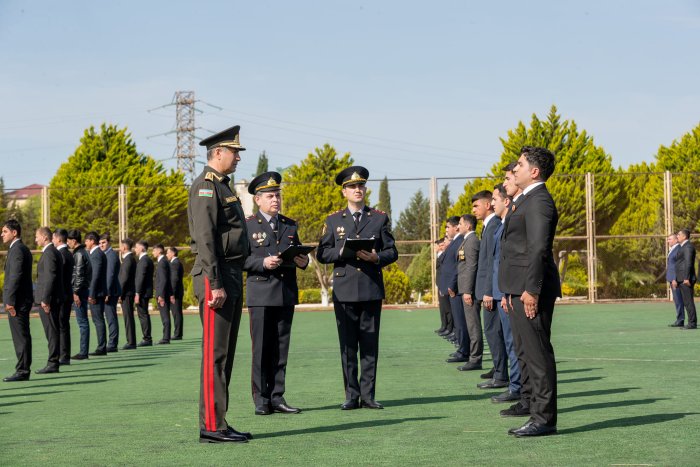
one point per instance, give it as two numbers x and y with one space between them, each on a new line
414 223
443 204
262 164
384 203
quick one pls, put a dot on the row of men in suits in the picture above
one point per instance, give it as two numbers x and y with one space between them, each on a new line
510 276
93 277
680 273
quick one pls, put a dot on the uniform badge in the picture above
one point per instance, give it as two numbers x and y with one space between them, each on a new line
206 192
340 230
231 199
460 255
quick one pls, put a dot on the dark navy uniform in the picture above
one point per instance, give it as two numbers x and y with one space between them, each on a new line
270 295
358 289
220 244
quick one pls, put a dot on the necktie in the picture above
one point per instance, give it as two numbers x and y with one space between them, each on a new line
357 220
273 225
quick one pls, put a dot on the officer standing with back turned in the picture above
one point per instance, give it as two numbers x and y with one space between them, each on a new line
220 244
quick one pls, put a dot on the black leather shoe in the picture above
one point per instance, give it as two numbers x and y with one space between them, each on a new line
98 353
350 404
64 362
675 325
112 349
16 377
79 356
533 429
129 347
488 374
469 367
371 404
689 327
245 434
492 384
47 370
262 410
449 336
221 437
516 410
507 396
176 338
145 344
438 331
163 341
444 333
457 360
284 408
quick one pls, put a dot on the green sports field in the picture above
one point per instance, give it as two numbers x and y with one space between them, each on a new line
628 395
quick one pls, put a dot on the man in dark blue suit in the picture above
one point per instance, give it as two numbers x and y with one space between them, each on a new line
673 246
112 293
50 294
685 276
97 290
447 285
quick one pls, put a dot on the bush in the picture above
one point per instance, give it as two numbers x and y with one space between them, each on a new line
397 286
310 296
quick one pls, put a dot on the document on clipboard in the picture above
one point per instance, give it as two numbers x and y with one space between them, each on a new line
292 251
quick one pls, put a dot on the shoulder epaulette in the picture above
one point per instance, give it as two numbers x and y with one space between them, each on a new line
377 210
250 218
336 212
211 176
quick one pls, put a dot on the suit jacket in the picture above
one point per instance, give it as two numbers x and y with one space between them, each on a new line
671 263
685 263
68 264
49 283
113 288
177 272
355 280
17 288
98 284
527 260
144 277
484 275
163 278
497 294
467 264
127 276
277 287
447 278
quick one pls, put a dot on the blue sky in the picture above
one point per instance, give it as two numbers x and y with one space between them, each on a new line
411 89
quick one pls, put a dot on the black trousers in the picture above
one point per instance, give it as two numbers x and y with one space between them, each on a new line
144 318
219 335
22 339
165 318
497 345
445 313
689 303
129 323
97 310
358 328
112 321
538 370
51 322
270 330
176 310
64 328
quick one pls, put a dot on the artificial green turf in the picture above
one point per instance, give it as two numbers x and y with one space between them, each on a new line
627 396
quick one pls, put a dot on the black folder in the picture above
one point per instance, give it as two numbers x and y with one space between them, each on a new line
292 251
353 245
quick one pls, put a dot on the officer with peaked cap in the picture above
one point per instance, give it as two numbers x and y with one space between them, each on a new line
220 244
271 293
358 285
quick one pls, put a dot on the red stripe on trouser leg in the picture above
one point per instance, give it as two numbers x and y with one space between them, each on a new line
208 364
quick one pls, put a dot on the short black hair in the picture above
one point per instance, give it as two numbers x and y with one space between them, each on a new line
159 246
173 249
128 242
143 243
92 235
510 167
45 232
106 236
483 194
685 232
454 220
470 219
502 191
12 224
74 234
541 158
62 234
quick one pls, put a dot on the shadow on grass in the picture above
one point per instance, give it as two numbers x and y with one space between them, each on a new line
140 365
67 383
344 427
416 401
111 373
627 422
10 404
580 380
24 394
597 392
576 370
607 405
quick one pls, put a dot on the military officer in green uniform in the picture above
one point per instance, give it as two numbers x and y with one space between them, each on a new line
220 244
358 285
271 293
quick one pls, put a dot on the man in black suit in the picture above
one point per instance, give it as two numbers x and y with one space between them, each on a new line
80 282
97 291
112 293
673 246
467 265
446 326
60 237
49 294
177 272
483 210
358 285
18 296
685 276
529 278
163 290
271 293
127 285
143 282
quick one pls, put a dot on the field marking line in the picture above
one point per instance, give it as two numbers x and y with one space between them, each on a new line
603 359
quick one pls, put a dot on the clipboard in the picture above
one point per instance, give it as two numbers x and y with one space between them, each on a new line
292 251
353 245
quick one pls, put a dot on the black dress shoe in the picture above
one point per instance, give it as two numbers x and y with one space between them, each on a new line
245 434
16 377
221 437
492 384
456 354
98 353
457 359
533 429
689 327
350 404
444 333
129 347
438 331
163 341
64 362
47 370
516 410
449 336
284 408
469 366
675 325
79 356
507 396
488 374
176 338
145 344
262 410
371 404
112 349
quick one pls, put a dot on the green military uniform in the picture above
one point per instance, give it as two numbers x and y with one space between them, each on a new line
220 244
